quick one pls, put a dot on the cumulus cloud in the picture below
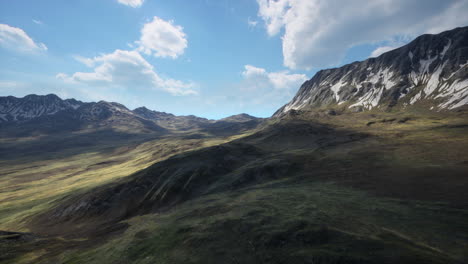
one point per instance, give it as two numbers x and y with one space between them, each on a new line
125 69
162 39
132 3
273 13
86 61
252 71
16 39
282 80
317 33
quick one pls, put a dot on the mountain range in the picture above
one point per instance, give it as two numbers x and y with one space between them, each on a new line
368 163
49 114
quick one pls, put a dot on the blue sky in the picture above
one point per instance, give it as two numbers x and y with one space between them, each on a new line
210 58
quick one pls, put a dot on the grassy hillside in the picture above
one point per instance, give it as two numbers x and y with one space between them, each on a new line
38 173
369 187
288 222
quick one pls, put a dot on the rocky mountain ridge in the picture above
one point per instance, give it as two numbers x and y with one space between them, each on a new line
36 111
432 70
13 109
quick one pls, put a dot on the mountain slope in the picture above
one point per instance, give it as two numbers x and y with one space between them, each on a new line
171 121
432 70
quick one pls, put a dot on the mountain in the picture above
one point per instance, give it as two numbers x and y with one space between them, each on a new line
102 110
14 109
153 115
431 71
228 125
171 121
239 118
47 115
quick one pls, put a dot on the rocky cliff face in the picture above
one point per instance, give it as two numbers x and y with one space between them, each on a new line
432 71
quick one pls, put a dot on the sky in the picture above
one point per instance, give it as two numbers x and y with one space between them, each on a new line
210 58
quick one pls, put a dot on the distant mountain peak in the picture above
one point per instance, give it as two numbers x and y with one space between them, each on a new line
243 117
432 70
151 114
141 108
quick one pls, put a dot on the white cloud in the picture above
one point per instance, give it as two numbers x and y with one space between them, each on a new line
16 39
162 39
317 33
86 61
282 80
252 71
64 77
132 3
126 69
259 89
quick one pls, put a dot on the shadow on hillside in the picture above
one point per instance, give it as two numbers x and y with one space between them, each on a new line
69 144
